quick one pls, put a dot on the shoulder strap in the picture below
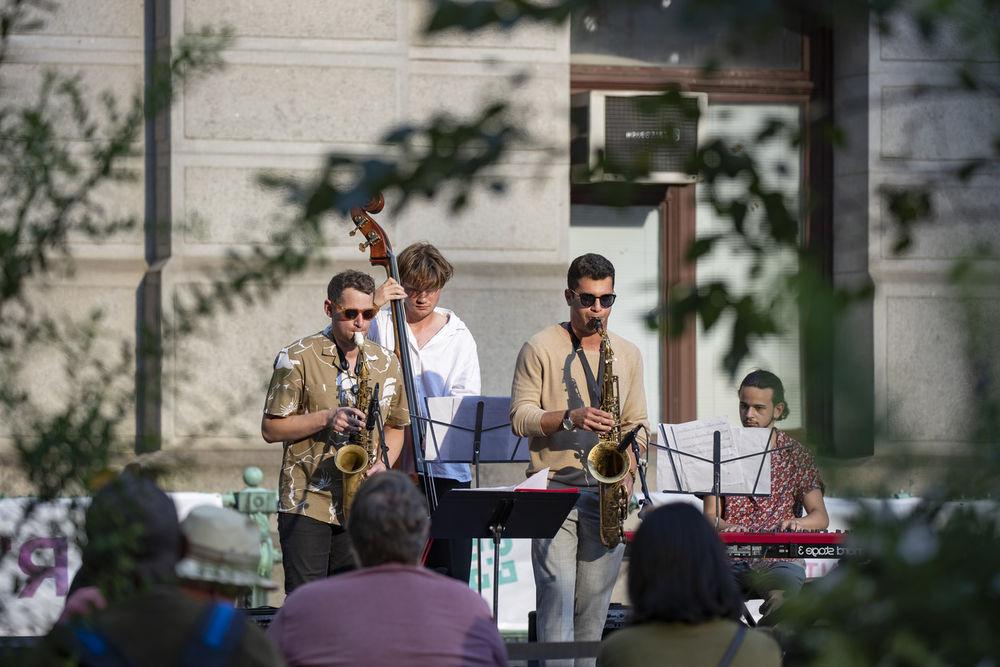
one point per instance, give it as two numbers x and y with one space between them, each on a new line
216 635
94 648
734 645
595 386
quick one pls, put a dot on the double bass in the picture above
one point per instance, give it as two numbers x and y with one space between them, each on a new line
376 242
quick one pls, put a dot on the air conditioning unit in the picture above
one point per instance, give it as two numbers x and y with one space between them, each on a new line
636 130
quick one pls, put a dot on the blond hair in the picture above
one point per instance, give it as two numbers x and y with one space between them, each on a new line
423 267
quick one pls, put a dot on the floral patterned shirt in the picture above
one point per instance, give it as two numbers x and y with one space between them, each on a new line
793 475
308 377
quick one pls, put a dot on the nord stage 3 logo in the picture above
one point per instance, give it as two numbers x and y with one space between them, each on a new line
825 551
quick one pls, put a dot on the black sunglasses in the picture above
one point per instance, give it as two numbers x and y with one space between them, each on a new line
587 300
352 313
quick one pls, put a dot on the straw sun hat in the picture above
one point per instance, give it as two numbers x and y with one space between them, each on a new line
223 546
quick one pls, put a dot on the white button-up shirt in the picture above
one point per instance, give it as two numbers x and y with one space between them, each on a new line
447 365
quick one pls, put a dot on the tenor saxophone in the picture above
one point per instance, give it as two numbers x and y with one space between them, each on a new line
358 454
605 462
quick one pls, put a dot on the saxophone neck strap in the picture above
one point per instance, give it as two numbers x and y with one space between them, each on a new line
595 385
344 365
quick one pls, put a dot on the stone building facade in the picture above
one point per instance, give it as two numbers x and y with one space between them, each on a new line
305 78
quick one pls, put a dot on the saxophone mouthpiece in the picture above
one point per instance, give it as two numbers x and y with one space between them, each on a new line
596 324
359 339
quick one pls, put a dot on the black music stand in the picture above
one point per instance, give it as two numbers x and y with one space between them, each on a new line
495 514
462 437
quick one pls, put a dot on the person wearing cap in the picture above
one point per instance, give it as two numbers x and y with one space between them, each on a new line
311 408
190 621
390 612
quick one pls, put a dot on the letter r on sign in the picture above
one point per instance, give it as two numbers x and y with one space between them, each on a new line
39 572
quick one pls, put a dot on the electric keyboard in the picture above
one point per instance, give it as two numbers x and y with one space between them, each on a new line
792 544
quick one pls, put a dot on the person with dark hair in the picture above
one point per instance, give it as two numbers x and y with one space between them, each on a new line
686 606
391 612
556 402
445 362
132 542
166 611
311 407
795 503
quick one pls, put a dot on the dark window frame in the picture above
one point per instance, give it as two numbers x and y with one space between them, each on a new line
810 88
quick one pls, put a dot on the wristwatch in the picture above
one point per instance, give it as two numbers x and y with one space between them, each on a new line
567 423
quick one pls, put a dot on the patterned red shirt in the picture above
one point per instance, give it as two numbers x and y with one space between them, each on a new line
793 475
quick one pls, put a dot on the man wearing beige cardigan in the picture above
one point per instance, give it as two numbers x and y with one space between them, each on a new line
555 401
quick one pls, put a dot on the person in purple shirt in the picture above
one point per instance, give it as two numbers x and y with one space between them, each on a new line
391 611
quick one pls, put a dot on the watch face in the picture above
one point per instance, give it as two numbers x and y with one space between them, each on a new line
567 424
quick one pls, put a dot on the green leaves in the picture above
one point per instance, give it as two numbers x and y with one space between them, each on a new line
925 593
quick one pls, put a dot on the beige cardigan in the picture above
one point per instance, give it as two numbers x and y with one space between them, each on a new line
549 376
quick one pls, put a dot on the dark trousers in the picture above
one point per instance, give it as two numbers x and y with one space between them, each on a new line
450 557
312 549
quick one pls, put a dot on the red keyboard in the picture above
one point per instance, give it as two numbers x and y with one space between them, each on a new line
809 544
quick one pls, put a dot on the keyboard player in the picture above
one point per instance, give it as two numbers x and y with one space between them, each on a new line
796 500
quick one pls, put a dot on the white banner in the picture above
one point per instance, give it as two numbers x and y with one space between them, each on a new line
517 582
40 556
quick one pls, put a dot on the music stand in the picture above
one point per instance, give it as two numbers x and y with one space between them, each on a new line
457 432
747 476
495 514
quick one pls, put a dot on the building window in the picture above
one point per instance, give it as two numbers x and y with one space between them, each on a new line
674 33
780 166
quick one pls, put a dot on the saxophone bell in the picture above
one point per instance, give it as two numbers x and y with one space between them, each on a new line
608 465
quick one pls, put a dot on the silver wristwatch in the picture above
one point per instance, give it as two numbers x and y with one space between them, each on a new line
567 423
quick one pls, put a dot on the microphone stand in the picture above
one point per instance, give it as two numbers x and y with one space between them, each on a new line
375 421
640 464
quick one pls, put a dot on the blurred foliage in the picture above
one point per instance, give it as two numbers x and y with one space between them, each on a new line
61 149
926 594
49 195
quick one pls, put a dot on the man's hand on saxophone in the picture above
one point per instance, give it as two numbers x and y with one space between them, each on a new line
345 420
585 418
592 419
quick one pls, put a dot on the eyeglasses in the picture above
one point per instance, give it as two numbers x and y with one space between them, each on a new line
352 313
587 300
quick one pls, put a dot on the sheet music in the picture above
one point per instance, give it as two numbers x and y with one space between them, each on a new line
537 482
687 466
756 469
451 437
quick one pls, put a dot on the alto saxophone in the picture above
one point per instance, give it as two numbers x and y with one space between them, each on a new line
354 458
606 462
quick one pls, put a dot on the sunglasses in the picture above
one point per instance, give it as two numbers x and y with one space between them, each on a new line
587 300
352 313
